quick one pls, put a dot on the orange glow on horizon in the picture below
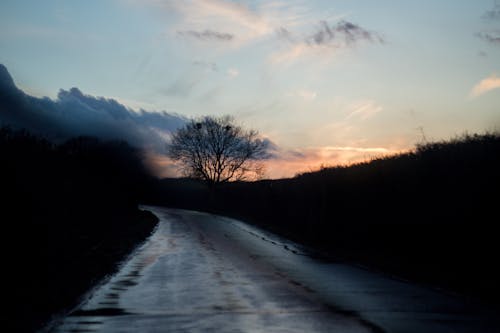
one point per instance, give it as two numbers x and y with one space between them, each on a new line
313 159
289 163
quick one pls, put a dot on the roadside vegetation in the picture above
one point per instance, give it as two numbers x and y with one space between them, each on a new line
68 216
429 215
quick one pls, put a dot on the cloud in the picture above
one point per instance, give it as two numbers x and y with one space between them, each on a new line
284 33
307 95
207 35
246 21
364 110
192 80
210 20
304 94
492 37
232 72
486 85
184 85
74 113
237 24
208 65
358 149
291 53
493 14
343 34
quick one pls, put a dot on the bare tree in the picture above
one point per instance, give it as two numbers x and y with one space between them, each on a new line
216 150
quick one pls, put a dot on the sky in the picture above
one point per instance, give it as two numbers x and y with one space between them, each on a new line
328 82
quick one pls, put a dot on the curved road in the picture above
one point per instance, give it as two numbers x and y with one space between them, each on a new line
204 273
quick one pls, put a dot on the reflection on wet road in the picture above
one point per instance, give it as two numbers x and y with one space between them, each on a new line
203 273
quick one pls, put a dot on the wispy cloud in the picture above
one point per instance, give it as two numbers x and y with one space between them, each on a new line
357 149
490 83
304 94
490 36
307 95
207 35
364 110
343 33
236 24
494 13
215 20
184 85
291 53
190 80
326 37
207 65
232 72
284 33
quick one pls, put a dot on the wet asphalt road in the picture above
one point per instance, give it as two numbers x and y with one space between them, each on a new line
204 273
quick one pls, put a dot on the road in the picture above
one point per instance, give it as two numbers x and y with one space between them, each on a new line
204 273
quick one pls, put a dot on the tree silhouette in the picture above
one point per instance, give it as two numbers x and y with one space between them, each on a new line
216 150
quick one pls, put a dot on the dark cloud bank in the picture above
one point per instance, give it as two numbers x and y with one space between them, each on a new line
75 114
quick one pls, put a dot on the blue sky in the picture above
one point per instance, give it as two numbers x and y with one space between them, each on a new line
328 81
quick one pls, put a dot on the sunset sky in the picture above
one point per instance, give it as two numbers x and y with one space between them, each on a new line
327 82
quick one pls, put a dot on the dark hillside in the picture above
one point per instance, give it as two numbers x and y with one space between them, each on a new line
429 215
68 216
